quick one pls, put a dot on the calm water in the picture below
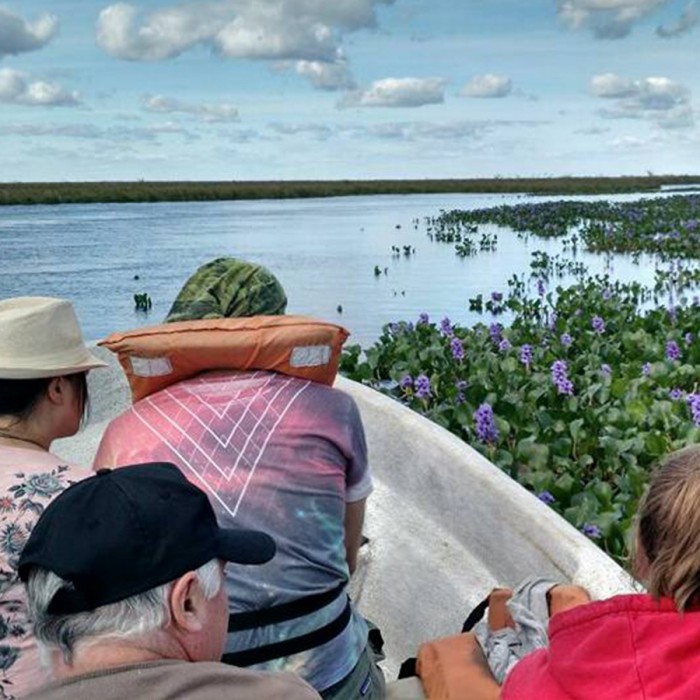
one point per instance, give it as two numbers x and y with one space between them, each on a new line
322 250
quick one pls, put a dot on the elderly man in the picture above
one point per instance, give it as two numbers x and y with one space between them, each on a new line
274 452
124 575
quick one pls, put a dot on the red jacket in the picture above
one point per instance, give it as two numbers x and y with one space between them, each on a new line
630 647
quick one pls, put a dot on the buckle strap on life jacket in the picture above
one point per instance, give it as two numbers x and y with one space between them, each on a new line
303 642
284 611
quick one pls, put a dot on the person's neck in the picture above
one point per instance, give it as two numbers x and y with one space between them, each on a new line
22 437
101 656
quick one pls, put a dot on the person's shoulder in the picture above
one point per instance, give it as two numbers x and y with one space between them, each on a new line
256 685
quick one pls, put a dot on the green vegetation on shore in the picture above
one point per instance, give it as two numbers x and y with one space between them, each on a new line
87 192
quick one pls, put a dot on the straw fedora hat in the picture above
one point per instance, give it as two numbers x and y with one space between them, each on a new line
40 337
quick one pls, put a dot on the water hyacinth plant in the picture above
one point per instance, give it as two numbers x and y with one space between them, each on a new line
576 415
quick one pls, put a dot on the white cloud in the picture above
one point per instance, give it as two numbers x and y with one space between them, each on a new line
206 111
658 99
488 85
319 132
326 76
16 88
611 85
118 134
398 92
268 33
609 19
450 131
592 131
162 34
308 31
686 22
18 35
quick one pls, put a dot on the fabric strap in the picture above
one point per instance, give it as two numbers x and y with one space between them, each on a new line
277 650
475 615
285 611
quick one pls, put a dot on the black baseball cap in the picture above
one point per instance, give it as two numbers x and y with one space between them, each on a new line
128 530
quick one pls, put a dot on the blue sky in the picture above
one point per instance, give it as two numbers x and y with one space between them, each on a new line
332 89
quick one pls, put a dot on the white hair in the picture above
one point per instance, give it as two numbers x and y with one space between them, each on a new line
137 616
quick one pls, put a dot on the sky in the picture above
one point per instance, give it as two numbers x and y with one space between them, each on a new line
347 89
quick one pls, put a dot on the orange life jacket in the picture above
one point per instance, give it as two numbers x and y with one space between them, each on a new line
155 357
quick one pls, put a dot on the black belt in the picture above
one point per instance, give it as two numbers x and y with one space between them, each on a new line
295 645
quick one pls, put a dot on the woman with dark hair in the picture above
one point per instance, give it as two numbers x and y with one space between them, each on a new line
43 397
634 646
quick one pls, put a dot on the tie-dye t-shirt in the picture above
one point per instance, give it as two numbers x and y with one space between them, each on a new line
29 481
274 453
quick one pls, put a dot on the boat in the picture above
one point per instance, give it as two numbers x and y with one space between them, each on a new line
444 525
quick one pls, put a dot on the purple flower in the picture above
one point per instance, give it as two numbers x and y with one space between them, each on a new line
646 369
496 296
552 321
606 369
592 531
598 324
462 385
423 319
565 340
675 394
526 355
673 352
486 428
394 328
560 378
457 349
504 345
422 385
546 497
495 330
694 404
406 381
688 337
540 287
672 314
559 370
606 294
446 327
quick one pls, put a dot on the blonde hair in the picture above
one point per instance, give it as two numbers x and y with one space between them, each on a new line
668 529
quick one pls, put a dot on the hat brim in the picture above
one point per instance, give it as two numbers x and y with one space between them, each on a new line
245 546
86 363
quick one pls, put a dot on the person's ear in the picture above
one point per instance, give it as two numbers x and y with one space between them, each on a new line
56 391
188 604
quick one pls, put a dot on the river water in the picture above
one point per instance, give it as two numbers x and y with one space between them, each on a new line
324 252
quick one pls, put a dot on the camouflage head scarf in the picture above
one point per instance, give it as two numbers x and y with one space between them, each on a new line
227 287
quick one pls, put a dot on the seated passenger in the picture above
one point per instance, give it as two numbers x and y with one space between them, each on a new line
277 453
124 575
43 396
634 646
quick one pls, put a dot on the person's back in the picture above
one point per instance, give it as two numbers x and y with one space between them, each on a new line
127 602
634 647
43 394
276 453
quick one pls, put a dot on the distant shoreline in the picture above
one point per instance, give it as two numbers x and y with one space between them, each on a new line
142 191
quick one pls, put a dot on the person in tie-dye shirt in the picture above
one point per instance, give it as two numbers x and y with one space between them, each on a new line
276 453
